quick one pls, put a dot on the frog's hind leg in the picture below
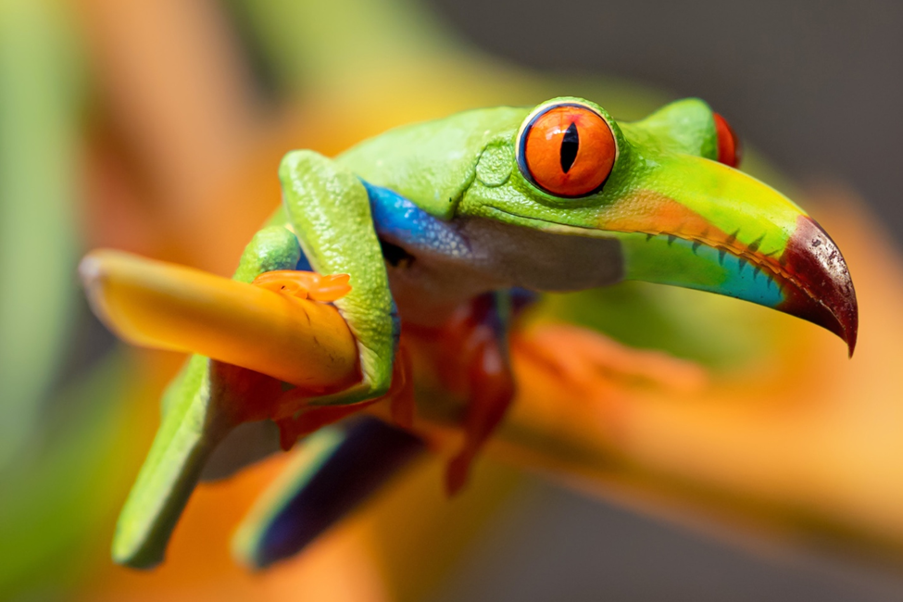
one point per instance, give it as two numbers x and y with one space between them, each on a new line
332 473
491 386
306 418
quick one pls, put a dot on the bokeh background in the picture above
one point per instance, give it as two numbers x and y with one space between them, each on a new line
156 127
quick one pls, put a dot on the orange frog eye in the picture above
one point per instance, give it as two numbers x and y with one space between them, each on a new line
728 143
567 150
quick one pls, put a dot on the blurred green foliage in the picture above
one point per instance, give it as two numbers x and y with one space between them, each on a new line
40 105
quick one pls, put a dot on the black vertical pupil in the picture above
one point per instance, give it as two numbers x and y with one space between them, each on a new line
569 149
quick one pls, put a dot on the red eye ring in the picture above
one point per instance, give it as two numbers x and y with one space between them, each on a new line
567 150
727 143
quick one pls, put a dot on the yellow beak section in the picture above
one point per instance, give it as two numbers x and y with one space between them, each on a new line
164 306
696 223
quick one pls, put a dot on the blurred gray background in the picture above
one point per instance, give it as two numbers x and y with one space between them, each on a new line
812 85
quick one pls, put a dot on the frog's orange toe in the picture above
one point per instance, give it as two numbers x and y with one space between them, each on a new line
330 288
457 472
305 285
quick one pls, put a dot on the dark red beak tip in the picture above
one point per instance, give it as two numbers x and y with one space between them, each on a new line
826 293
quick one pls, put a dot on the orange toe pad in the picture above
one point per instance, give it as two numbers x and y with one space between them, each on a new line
305 285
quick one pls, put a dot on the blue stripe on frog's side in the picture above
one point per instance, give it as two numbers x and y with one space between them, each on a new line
398 220
401 222
303 264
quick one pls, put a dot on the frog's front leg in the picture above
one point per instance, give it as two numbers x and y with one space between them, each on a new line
329 209
200 408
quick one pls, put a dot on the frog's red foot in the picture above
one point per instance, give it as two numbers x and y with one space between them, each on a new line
305 285
471 360
492 389
311 419
304 419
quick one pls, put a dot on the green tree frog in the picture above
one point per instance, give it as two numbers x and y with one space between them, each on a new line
456 221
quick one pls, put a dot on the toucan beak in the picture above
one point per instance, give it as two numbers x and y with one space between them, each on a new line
699 224
824 293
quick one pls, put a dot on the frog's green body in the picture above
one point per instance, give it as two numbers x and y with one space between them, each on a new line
433 164
428 217
472 222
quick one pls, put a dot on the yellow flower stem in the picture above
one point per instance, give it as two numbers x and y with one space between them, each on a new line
164 306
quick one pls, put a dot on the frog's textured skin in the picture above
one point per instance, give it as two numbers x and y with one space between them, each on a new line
428 218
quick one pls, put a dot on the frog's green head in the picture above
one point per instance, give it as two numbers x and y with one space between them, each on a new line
667 188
